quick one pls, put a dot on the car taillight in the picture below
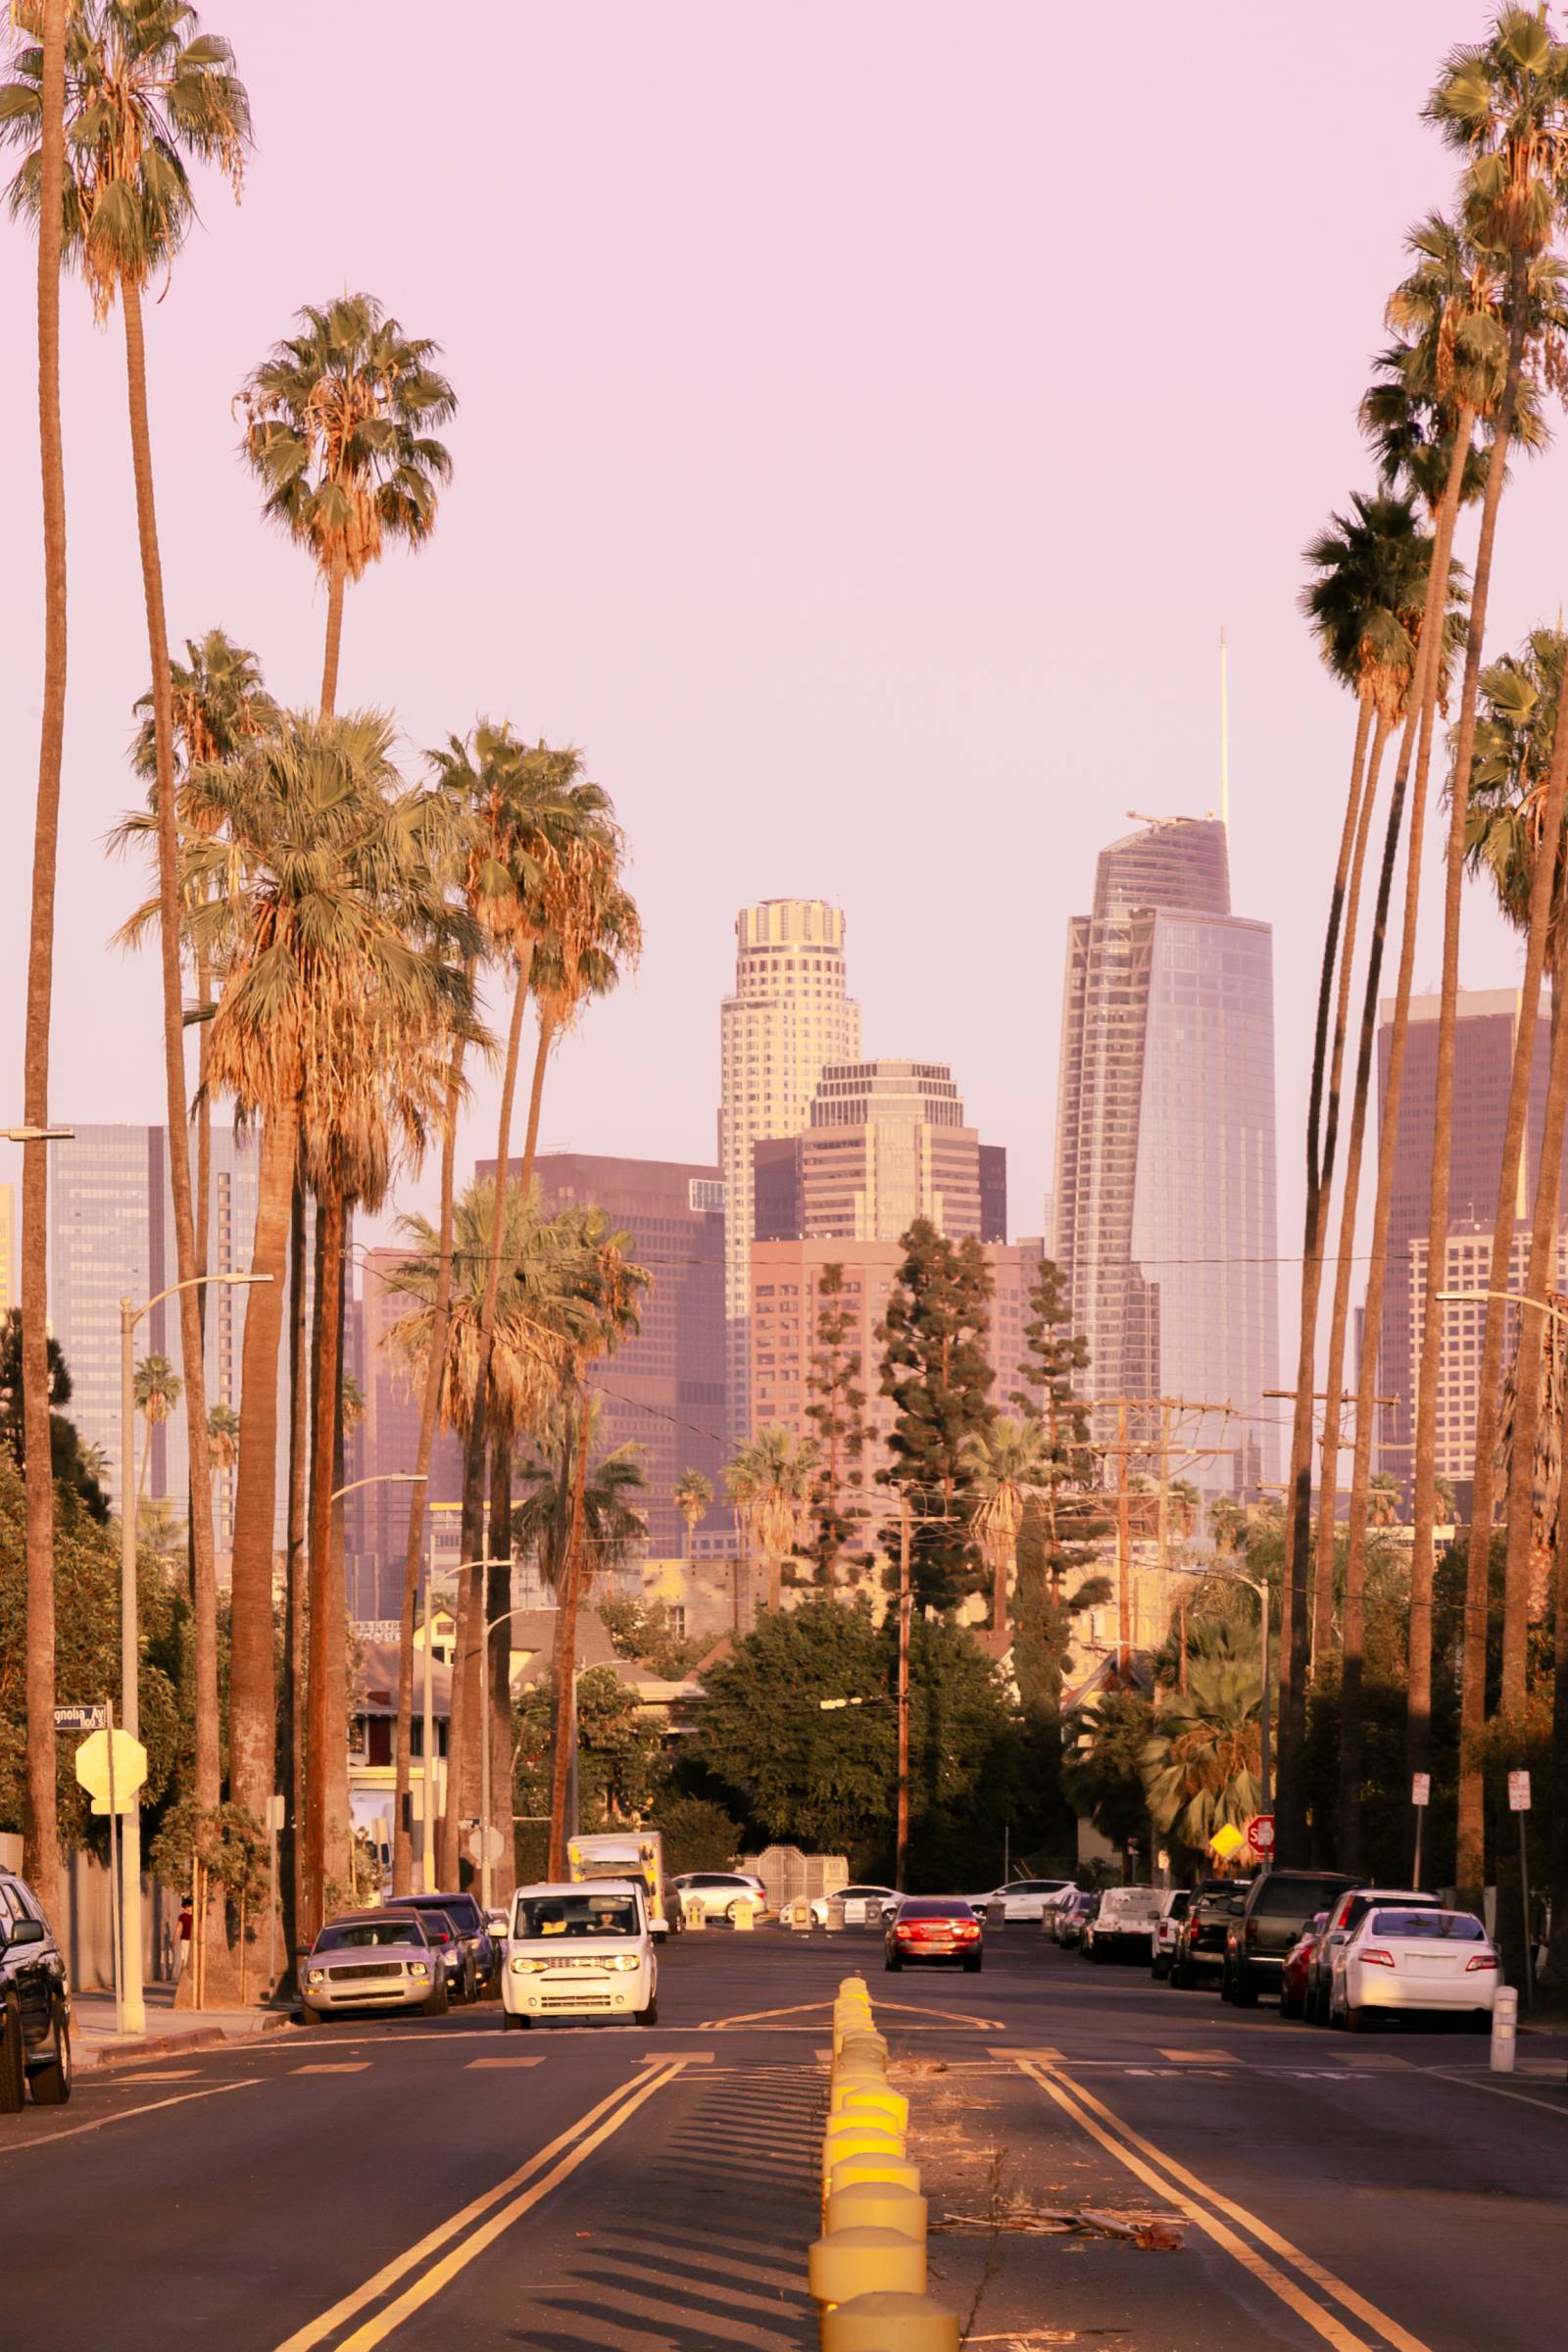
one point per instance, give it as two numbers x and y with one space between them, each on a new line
965 1927
1376 1958
1481 1960
1251 1930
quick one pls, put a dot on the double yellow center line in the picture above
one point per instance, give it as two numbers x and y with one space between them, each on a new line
438 2257
1299 2283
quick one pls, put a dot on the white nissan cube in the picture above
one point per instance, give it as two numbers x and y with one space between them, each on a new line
578 1951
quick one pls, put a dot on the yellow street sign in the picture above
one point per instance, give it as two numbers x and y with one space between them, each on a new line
1227 1842
130 1769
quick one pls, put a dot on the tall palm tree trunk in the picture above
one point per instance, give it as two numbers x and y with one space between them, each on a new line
339 1821
564 1738
498 1662
1329 1477
291 1725
1292 1793
41 1844
548 1025
1351 1717
336 581
467 1677
1535 1336
413 1555
1469 1863
208 1777
253 1693
321 1835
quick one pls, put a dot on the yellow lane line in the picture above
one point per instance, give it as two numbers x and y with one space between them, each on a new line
441 2274
180 2099
316 2332
1122 2141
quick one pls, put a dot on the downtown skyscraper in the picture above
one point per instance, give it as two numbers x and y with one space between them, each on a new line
788 1018
1165 1212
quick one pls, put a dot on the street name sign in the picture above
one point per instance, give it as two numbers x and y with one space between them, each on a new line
1518 1791
129 1769
81 1719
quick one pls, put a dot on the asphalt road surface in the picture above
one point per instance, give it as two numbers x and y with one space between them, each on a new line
423 2184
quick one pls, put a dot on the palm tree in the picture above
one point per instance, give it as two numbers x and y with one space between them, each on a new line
44 81
146 90
1385 1500
338 425
156 1391
1366 607
613 1525
596 937
1007 1464
694 1492
1200 1763
343 985
222 1438
770 1482
1501 104
218 703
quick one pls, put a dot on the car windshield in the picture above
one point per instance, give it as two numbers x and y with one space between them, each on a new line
354 1935
1450 1926
542 1916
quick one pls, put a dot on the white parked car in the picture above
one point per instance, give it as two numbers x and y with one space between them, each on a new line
580 1951
1402 1958
1020 1899
722 1892
863 1906
1163 1933
1122 1926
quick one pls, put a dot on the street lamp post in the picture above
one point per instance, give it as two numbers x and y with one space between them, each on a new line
130 1630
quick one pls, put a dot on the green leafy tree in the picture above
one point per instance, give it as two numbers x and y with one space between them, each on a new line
935 1369
1104 1765
642 1632
75 1465
837 1415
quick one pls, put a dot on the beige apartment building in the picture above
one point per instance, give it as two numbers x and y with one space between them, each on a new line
788 1017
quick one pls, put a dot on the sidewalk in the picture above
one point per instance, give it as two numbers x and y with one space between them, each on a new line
94 2042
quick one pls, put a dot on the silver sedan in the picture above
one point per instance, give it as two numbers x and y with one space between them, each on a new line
371 1960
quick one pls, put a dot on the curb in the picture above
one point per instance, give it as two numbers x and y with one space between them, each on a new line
164 2046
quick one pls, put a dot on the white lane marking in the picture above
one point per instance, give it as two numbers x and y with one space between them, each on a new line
1471 2083
338 2066
180 2099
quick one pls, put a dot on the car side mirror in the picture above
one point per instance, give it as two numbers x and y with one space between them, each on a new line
25 1930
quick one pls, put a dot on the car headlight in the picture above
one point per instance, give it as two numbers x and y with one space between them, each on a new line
418 1968
522 1967
624 1960
316 1975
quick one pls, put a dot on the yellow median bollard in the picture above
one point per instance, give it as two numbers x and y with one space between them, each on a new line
849 2136
876 2322
876 2205
693 1913
895 2171
864 2261
874 2100
744 1916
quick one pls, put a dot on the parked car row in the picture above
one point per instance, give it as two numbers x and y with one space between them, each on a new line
1338 1952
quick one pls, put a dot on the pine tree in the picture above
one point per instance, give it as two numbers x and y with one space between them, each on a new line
935 1369
837 1415
1057 1542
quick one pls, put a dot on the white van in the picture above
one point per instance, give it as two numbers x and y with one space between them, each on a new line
580 1951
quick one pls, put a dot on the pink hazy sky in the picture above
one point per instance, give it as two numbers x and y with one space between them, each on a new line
870 415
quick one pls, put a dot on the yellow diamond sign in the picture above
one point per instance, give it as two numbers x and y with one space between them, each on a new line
1227 1842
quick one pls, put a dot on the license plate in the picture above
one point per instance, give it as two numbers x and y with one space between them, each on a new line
1435 1967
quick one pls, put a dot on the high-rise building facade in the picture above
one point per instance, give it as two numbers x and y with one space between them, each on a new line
663 1389
789 1016
1484 1051
112 1237
885 1144
1164 1194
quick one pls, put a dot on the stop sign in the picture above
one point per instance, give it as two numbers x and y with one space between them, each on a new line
1261 1833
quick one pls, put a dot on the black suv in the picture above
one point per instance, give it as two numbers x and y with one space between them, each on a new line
1201 1938
35 2003
1263 1928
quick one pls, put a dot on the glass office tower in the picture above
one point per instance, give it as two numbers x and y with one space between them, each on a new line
1165 1176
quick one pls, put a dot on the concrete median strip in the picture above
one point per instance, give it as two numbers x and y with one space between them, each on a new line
867 2271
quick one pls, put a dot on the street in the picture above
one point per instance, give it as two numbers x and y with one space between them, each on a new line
427 2185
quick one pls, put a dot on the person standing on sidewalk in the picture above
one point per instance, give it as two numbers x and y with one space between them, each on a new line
182 1937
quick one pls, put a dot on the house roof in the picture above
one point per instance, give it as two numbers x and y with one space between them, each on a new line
378 1679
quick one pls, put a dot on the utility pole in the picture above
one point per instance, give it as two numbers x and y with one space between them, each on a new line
905 1598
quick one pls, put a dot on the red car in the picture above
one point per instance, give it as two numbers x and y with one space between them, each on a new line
1293 1981
931 1928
